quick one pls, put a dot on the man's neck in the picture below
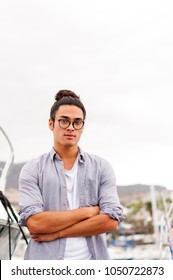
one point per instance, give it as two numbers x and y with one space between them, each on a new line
68 155
66 152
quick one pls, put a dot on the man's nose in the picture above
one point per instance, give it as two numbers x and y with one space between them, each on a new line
70 127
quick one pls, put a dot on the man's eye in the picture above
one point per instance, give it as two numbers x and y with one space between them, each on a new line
77 122
64 121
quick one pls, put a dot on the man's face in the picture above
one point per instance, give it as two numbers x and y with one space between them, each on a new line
67 136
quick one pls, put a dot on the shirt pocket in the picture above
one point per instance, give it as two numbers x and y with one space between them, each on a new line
91 192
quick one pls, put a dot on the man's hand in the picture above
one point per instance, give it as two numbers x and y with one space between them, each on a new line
47 237
93 210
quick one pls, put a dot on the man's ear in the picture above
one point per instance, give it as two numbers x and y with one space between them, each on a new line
51 124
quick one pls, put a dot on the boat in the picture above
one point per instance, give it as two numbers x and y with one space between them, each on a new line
10 230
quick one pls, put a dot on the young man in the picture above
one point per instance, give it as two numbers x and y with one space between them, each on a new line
68 197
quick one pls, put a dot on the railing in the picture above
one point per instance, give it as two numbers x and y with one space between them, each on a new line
8 163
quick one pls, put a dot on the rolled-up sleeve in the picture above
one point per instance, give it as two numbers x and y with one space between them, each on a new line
108 197
30 199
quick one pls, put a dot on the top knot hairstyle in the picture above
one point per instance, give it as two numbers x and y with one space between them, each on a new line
66 97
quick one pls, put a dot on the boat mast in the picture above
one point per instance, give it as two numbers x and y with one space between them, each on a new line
154 213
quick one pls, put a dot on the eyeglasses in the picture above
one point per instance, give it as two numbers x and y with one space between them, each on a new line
65 123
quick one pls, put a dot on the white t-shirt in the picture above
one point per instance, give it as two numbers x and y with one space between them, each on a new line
76 247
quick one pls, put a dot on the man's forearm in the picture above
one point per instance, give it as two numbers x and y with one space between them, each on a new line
53 221
93 226
96 225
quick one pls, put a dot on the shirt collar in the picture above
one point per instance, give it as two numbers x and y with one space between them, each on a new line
53 154
81 158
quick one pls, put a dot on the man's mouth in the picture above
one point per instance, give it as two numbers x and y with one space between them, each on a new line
69 135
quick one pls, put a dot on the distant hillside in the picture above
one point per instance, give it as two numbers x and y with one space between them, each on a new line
137 188
13 175
137 191
124 191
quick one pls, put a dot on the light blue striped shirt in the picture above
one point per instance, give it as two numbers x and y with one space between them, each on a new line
42 187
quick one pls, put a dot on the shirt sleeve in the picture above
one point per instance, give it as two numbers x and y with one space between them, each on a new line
30 199
108 197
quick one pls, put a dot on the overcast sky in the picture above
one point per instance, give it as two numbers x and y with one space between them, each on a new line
117 55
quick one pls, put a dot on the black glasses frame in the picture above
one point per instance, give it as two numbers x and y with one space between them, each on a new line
69 123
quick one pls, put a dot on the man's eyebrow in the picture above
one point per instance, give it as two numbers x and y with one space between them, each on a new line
65 117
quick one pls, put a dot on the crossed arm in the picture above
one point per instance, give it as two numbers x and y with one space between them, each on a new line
86 221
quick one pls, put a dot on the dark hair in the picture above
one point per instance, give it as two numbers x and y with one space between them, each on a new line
66 97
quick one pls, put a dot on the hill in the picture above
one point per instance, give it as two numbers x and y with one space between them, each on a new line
125 192
13 175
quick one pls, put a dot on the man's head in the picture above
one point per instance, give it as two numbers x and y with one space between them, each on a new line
67 117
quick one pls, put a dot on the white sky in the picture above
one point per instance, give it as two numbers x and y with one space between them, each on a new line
117 55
